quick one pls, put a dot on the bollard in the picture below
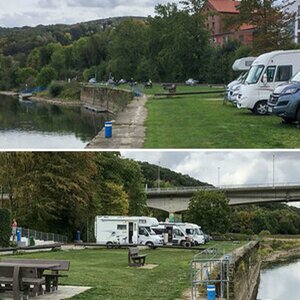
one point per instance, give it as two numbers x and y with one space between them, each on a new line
108 130
78 235
18 235
211 292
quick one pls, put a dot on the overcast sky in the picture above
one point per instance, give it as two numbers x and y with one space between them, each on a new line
236 167
33 12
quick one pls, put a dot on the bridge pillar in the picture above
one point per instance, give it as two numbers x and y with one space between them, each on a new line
175 217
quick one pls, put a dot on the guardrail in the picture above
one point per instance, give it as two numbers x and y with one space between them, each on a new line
43 236
196 188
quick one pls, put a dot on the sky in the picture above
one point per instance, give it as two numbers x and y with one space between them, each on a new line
17 13
234 167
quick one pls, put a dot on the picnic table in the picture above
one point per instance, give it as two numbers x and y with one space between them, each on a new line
30 273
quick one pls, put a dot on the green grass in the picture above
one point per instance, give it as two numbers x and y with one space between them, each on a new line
107 272
201 121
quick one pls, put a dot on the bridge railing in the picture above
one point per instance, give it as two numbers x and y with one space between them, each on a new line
197 188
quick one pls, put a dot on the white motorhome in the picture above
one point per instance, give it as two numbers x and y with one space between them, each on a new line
267 72
172 234
193 231
118 230
241 65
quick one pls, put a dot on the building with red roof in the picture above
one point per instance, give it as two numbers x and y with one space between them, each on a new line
216 11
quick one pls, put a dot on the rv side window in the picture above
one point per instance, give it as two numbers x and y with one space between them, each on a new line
284 73
178 232
121 227
270 73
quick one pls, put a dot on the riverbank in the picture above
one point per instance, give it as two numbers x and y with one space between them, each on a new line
128 128
53 101
9 93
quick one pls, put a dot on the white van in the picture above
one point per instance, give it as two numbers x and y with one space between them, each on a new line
118 230
267 72
193 231
241 65
172 234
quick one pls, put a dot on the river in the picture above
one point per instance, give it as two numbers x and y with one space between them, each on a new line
280 282
35 125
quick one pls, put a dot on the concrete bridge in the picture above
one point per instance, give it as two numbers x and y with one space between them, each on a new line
176 200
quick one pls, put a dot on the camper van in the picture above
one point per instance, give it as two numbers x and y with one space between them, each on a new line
268 71
241 65
172 234
193 231
118 230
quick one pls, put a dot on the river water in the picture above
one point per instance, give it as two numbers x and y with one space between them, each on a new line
280 282
35 125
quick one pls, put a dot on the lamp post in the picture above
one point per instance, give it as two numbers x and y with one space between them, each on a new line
273 170
158 176
219 177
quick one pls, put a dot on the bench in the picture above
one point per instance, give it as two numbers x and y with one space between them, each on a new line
28 277
170 87
134 257
50 279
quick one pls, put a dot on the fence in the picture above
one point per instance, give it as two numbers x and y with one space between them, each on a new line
43 236
208 268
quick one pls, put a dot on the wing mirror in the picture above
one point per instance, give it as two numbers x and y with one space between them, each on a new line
265 79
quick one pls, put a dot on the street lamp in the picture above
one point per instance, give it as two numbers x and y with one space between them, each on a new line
219 177
158 176
273 170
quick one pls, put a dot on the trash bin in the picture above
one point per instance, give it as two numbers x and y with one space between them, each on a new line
108 129
18 235
211 292
31 241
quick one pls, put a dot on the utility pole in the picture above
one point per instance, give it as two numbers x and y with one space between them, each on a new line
273 170
158 176
219 176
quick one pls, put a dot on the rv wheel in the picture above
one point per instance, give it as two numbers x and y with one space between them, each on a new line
109 245
150 245
261 108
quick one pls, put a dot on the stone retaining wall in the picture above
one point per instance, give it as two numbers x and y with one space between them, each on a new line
245 265
105 99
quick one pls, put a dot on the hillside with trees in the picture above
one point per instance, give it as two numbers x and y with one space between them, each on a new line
172 46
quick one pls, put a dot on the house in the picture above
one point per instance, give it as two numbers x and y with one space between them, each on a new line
216 11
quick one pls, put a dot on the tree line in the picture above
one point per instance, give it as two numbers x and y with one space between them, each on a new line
169 47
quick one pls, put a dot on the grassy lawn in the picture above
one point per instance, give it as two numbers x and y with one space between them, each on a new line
202 121
107 272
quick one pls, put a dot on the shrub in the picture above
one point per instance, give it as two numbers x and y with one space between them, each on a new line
5 228
55 89
264 233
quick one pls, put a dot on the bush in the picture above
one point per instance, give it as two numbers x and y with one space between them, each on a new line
264 233
5 228
55 89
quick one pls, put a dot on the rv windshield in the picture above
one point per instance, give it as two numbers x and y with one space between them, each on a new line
296 78
254 74
150 231
197 231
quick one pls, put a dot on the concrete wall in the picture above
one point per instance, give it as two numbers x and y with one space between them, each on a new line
245 267
105 98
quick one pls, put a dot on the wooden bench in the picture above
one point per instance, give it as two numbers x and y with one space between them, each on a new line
27 278
134 257
170 87
50 279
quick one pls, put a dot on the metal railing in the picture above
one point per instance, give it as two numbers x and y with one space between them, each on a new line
220 187
43 236
208 268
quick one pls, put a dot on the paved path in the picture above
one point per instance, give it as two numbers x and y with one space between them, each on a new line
128 128
63 292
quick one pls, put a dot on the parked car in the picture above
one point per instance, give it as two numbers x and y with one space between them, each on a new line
93 80
191 82
285 101
122 81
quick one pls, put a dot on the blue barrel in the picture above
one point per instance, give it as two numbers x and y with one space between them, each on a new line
18 235
78 235
108 130
211 292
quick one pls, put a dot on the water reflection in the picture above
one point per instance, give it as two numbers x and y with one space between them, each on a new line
32 125
280 282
